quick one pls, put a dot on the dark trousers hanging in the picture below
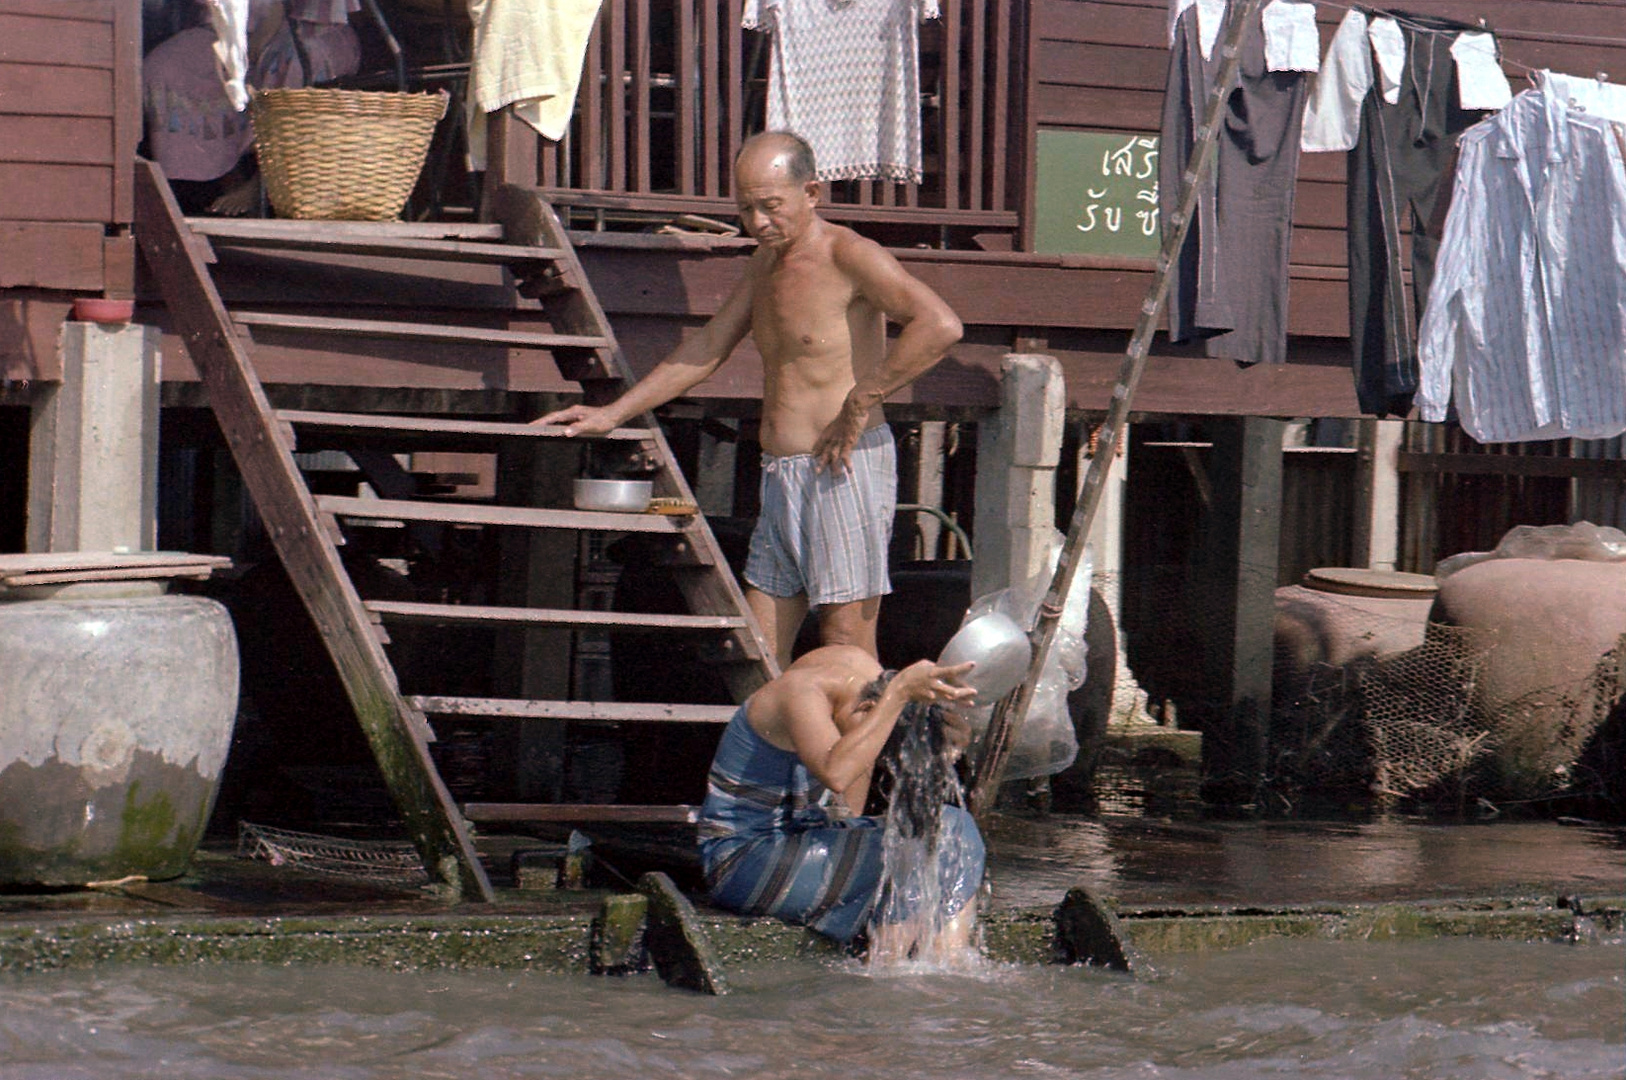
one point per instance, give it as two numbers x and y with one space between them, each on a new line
1231 279
1400 176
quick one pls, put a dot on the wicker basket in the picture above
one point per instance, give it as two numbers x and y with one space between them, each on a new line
349 155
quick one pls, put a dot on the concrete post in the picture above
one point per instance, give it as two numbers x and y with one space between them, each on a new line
1377 495
1018 449
929 485
93 444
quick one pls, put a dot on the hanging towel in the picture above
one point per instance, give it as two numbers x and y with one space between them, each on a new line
528 54
1590 95
1210 17
229 18
1332 118
1292 42
1480 79
1525 328
845 76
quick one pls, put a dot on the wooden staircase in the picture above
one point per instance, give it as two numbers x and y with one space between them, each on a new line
308 528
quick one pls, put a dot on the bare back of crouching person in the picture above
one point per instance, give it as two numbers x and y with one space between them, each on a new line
773 842
816 298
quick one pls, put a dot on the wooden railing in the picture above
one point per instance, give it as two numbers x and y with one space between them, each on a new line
671 87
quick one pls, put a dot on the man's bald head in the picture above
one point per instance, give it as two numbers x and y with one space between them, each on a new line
778 150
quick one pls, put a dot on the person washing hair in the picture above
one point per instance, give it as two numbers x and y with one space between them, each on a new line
783 830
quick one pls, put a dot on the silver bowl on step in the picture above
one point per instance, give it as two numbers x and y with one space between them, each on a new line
620 496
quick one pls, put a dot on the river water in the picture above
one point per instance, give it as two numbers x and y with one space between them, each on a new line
1453 1009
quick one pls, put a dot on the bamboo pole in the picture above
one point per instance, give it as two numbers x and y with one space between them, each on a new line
1013 708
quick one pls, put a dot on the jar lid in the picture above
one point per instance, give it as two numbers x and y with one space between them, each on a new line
1353 581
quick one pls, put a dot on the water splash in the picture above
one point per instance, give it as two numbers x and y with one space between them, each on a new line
913 930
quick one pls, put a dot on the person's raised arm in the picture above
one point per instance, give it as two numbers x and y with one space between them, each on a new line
843 760
690 364
929 329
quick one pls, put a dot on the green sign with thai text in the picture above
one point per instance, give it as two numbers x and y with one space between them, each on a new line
1097 193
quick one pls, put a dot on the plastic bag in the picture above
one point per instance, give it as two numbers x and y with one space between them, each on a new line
1046 744
1583 540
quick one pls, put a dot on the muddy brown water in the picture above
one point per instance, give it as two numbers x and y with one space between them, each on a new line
1440 1009
1451 1009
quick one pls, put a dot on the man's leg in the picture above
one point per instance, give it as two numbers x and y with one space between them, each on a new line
850 624
780 617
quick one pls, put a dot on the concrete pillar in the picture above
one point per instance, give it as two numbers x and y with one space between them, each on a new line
1235 584
1018 449
929 485
93 444
1377 495
1106 547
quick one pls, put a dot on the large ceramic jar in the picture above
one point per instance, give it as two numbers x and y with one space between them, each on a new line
116 713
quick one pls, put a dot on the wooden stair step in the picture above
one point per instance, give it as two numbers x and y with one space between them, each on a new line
609 712
521 812
234 234
452 513
405 611
380 328
430 425
399 230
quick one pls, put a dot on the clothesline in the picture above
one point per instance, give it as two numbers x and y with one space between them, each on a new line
1557 39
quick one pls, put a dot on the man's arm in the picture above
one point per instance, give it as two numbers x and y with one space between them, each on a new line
690 364
930 328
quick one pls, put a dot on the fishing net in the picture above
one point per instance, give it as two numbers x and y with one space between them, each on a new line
1373 706
388 862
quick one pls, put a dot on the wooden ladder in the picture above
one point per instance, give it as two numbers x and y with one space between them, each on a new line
308 528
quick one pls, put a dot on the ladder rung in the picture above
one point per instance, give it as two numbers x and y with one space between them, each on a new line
383 247
611 620
431 425
610 712
484 514
396 230
680 815
381 328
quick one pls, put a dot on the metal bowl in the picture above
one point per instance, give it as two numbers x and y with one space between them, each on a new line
621 496
1000 649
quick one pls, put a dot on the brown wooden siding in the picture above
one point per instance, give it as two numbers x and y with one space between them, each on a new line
648 124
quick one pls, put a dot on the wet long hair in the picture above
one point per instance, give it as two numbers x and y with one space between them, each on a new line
913 775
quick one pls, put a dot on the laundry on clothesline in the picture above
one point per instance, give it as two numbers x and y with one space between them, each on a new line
1525 329
845 76
1373 48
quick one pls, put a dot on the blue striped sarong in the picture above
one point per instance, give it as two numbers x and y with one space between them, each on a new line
768 848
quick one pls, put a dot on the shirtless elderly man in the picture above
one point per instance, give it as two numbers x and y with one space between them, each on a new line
816 298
